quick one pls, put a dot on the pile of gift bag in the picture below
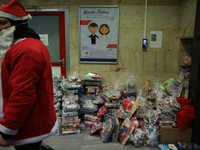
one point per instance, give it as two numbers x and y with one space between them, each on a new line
83 104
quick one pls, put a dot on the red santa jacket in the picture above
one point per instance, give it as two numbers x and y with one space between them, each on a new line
27 89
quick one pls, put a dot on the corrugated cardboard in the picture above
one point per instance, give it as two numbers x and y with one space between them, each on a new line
171 135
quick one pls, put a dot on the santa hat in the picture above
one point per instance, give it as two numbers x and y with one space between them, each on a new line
14 10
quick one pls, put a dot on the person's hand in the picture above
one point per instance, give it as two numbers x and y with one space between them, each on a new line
5 143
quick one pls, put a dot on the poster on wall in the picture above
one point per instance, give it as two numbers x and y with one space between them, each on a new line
156 39
98 34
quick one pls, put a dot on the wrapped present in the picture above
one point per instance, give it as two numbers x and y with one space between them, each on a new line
95 128
82 127
140 112
104 97
121 114
90 117
58 130
87 111
102 111
123 137
92 123
74 78
92 89
133 108
135 122
112 104
58 112
107 130
69 119
92 76
116 131
157 116
106 117
70 98
112 111
98 83
90 96
98 101
145 89
113 94
88 105
126 128
70 106
72 85
72 124
70 113
57 106
67 131
127 105
132 94
72 91
151 134
137 137
173 147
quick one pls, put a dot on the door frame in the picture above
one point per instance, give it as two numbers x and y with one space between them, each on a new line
64 43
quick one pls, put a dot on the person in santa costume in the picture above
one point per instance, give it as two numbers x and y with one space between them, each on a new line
26 79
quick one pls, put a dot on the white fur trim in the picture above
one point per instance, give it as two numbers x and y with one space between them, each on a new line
1 99
7 131
29 17
36 139
12 17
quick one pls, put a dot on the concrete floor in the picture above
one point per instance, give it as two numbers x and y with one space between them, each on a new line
84 141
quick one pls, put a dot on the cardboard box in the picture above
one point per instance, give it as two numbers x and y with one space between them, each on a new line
171 135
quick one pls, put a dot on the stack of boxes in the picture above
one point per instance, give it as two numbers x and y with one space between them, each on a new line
70 106
57 94
90 103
